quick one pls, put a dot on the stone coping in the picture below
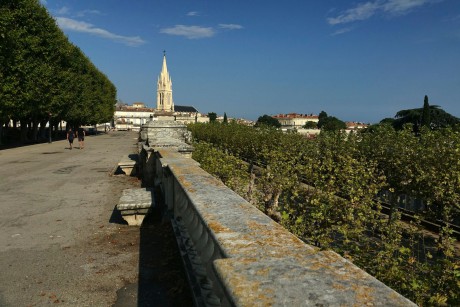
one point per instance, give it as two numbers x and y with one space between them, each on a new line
264 264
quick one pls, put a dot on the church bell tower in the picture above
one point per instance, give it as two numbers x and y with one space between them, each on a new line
164 89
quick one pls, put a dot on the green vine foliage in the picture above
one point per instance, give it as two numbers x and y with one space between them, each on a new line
232 171
325 191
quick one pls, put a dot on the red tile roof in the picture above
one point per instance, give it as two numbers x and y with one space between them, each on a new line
295 115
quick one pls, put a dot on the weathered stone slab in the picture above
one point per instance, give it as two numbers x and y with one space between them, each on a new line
319 279
164 133
134 204
128 164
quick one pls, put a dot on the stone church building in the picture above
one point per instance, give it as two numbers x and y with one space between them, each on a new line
164 90
132 117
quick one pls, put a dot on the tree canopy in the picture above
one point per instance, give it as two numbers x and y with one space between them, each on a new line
330 123
431 116
310 125
426 118
45 77
267 120
212 117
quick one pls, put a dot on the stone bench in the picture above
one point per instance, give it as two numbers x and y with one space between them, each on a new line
134 204
128 164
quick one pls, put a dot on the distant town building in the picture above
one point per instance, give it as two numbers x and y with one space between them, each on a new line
352 126
293 121
139 105
128 117
132 117
241 121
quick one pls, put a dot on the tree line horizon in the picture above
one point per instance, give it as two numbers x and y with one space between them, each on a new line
431 116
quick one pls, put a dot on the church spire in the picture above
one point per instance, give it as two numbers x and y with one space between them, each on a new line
164 89
164 69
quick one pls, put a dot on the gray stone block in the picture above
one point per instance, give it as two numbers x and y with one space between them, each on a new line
134 204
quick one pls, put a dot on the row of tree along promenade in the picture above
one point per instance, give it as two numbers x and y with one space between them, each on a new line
44 78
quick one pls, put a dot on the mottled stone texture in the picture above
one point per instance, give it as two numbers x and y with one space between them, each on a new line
134 204
164 133
248 258
128 164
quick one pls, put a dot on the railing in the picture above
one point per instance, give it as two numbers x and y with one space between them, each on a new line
237 256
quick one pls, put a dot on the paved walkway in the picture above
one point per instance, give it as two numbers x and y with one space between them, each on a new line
61 241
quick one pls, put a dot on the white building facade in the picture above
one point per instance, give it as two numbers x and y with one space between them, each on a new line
132 117
295 121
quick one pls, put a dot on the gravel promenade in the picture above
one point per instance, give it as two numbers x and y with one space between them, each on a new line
62 243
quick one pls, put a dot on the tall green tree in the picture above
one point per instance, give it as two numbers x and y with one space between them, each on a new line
310 125
225 118
330 123
212 117
426 118
438 118
321 117
267 120
43 76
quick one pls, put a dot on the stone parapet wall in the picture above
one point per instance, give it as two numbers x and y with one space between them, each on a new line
248 258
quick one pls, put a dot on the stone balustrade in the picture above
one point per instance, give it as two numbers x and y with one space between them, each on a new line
238 256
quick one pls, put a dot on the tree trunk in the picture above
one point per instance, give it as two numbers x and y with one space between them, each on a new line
392 208
272 209
24 130
251 185
55 130
42 129
34 129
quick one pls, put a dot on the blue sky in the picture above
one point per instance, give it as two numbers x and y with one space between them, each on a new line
356 60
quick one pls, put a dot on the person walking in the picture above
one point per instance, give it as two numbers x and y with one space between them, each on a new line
70 137
81 137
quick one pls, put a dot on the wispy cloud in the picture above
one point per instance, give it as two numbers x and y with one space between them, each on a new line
88 12
193 13
84 27
361 12
342 31
230 26
404 6
62 11
366 10
190 32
